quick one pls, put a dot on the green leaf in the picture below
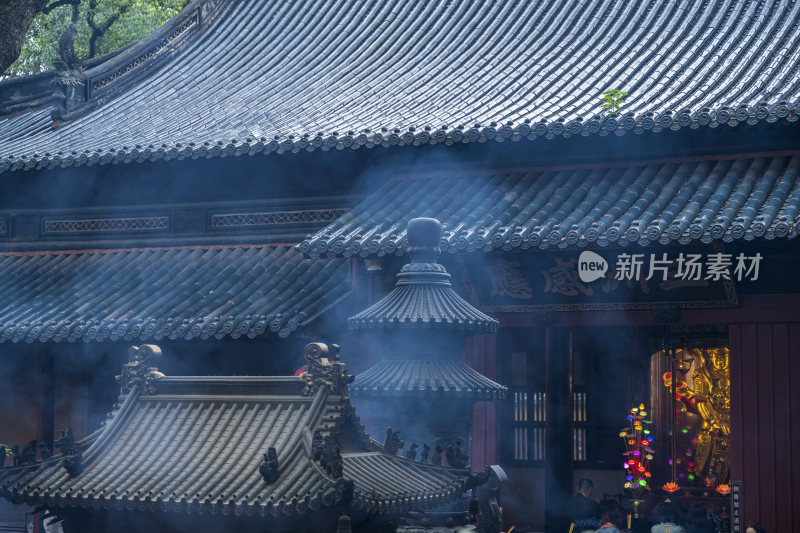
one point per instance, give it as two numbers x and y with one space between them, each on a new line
141 19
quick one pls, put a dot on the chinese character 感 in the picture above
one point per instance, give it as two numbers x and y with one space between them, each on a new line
563 279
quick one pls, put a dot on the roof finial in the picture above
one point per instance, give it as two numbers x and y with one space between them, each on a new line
424 235
344 524
138 369
73 453
324 370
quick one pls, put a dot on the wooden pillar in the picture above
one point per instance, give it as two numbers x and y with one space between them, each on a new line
47 401
558 428
764 370
492 407
480 353
46 413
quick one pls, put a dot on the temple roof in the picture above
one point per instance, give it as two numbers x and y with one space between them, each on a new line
164 293
426 378
200 445
674 201
248 77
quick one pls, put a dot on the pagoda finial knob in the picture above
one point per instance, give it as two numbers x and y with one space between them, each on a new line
423 239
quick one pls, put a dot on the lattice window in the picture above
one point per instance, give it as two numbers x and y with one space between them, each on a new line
100 225
527 419
521 426
529 432
579 426
305 216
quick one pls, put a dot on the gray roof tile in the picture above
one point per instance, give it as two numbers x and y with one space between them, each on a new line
433 378
673 201
164 293
265 69
195 445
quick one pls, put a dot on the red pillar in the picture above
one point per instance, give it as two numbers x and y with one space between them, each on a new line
764 370
46 409
480 353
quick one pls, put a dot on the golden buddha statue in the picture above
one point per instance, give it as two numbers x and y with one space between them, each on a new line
708 396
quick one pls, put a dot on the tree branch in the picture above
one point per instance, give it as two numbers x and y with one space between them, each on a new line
60 3
98 30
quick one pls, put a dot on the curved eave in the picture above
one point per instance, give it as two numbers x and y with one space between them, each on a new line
175 293
210 149
740 197
389 484
141 450
423 306
445 379
320 75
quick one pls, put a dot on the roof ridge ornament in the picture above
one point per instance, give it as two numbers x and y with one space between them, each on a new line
73 453
392 442
328 455
325 370
139 370
270 468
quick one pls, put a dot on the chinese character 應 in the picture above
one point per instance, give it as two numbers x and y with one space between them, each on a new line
507 280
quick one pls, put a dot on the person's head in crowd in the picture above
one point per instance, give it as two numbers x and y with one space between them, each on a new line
667 512
697 513
698 520
755 527
585 487
612 512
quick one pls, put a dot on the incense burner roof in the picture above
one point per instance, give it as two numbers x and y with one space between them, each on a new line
452 379
423 296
